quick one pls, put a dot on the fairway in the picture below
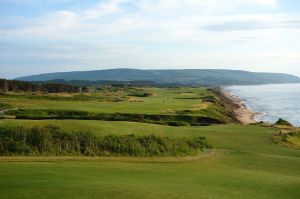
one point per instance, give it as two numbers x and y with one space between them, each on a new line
244 164
162 101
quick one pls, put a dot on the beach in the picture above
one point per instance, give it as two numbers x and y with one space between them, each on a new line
242 113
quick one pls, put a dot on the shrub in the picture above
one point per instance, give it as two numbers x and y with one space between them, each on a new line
177 123
140 94
172 120
283 122
51 140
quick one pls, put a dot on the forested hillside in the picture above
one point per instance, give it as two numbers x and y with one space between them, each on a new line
16 86
183 77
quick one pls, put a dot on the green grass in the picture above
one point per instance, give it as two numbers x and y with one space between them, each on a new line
244 164
162 101
215 177
252 139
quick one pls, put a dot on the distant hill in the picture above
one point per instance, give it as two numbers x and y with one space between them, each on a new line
183 77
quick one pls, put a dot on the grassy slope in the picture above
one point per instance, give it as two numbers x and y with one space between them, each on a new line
245 164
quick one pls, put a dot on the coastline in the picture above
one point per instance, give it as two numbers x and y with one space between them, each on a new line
242 113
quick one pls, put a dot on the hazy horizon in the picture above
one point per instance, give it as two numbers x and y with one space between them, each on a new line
151 69
66 35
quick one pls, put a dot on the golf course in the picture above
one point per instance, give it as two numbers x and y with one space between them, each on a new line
243 162
149 99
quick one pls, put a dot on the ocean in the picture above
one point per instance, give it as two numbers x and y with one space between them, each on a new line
273 101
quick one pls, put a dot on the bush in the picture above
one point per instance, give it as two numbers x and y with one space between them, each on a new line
283 122
140 94
177 123
51 140
172 120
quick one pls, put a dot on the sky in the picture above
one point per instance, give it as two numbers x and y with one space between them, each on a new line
41 36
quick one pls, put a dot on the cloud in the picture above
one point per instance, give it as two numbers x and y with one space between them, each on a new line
112 17
157 33
63 24
204 6
256 22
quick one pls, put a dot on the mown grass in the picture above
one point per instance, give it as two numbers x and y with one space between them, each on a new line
245 164
161 100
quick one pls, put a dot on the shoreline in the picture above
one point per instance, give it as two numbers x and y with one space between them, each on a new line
242 113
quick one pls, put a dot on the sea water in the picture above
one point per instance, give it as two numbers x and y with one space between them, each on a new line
272 101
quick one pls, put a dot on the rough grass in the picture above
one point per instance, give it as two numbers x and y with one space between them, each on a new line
4 106
288 137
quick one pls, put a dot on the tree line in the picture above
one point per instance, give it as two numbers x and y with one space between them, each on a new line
115 83
51 140
17 86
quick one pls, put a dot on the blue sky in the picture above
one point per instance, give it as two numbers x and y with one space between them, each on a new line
39 36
